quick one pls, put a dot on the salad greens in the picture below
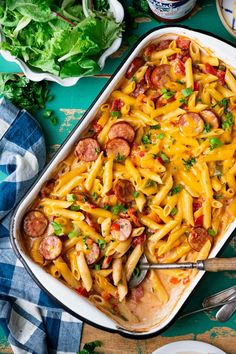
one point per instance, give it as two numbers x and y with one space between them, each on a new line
89 348
23 93
55 36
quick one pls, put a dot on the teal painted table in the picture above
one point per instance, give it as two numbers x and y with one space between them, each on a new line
69 104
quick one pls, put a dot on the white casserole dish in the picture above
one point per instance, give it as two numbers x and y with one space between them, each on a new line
73 303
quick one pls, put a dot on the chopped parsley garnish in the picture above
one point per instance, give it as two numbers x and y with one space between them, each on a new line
228 122
136 194
180 82
219 196
173 211
164 157
176 189
95 196
134 78
167 94
115 114
84 241
187 91
183 100
156 127
212 232
106 207
161 136
72 234
57 228
89 347
136 272
74 207
146 139
224 103
118 208
120 157
215 143
97 267
207 127
150 183
85 199
71 198
222 67
189 163
97 150
102 244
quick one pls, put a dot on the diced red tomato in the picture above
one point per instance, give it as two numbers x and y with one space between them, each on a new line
174 280
91 206
141 153
132 214
221 76
199 221
196 206
115 227
209 69
82 291
182 43
117 105
105 295
97 127
159 159
186 280
196 86
139 240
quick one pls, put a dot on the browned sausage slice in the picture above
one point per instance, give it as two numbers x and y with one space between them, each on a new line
118 147
124 190
122 130
164 44
191 124
134 66
50 247
87 149
198 237
161 75
35 223
121 229
210 118
93 254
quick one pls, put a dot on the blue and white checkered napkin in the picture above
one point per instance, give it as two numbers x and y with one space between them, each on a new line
32 322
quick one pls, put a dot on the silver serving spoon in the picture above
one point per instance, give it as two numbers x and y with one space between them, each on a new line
209 265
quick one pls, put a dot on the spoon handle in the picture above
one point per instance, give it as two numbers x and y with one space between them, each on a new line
219 264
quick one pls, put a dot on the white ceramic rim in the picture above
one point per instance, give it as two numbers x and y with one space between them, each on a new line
118 12
79 305
223 19
183 346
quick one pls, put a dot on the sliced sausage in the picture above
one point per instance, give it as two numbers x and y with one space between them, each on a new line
134 66
121 229
124 190
148 76
122 130
148 51
93 254
191 124
164 44
35 223
161 75
87 149
183 43
198 237
210 118
50 247
118 147
140 88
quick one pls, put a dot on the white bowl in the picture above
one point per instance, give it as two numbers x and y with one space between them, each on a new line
225 12
77 305
118 13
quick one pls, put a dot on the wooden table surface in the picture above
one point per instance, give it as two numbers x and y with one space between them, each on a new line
69 104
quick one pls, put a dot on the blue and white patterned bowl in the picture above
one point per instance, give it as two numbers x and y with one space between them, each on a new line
227 15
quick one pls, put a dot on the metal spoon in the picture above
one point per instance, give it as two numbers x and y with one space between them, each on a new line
210 265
